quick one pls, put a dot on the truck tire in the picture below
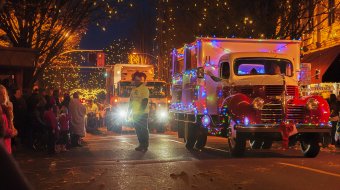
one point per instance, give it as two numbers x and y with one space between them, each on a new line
181 129
267 144
190 135
237 146
202 137
117 128
256 144
160 128
310 148
109 127
173 124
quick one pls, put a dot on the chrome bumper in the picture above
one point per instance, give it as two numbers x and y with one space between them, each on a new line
274 128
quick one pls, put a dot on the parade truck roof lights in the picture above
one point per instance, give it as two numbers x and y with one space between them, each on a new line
243 89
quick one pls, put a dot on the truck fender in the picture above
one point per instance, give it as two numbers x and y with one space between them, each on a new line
322 113
239 106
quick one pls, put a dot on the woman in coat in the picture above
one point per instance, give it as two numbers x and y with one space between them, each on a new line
6 119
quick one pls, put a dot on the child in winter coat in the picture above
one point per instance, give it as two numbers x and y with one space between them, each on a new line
64 121
52 126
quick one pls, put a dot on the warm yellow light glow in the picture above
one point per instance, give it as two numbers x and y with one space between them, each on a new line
88 93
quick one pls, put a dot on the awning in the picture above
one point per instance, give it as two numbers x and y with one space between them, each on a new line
17 57
321 60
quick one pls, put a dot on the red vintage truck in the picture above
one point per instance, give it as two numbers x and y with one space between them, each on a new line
246 90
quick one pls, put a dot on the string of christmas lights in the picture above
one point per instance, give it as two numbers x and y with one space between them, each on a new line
117 52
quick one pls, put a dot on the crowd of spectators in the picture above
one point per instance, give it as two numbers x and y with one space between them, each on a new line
41 121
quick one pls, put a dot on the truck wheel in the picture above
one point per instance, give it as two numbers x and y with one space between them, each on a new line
152 127
190 135
310 149
181 129
267 144
173 124
110 127
255 144
117 128
237 146
160 129
202 137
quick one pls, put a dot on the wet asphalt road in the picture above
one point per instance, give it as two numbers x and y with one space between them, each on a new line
110 162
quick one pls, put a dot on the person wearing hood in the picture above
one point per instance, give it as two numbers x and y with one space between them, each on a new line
77 112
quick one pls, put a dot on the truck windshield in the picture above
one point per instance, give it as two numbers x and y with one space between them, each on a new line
262 66
124 89
157 89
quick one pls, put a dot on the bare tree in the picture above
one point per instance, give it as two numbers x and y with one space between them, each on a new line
46 25
297 17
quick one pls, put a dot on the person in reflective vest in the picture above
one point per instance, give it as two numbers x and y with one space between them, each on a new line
139 110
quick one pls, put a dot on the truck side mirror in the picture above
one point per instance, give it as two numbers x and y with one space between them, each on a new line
200 72
213 77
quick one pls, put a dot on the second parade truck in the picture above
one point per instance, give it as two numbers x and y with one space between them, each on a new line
121 84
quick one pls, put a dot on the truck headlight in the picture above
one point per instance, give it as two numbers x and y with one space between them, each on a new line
258 103
246 121
312 104
162 115
123 114
120 113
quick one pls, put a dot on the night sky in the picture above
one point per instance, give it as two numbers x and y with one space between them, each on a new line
134 25
98 39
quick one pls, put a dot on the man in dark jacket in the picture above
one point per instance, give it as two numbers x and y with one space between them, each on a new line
20 114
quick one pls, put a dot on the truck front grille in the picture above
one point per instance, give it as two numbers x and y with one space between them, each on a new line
273 113
292 90
246 90
276 90
295 113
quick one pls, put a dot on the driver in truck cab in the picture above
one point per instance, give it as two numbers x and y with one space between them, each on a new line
275 69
